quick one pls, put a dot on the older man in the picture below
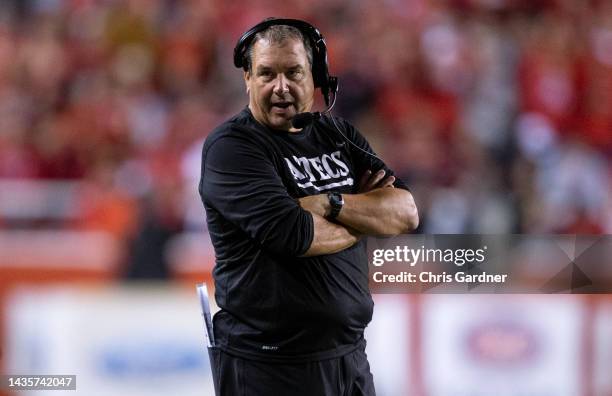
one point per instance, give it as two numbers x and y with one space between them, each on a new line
287 208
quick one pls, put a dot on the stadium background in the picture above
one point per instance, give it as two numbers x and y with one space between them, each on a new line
497 113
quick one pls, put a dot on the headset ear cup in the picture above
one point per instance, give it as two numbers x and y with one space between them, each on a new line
319 69
316 68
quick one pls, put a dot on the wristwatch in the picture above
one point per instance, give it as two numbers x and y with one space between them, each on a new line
336 201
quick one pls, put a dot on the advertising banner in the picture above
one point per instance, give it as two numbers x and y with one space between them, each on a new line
502 345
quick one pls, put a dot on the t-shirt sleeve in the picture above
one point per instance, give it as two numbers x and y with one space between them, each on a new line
239 180
363 160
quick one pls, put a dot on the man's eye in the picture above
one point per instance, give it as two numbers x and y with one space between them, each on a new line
265 74
293 73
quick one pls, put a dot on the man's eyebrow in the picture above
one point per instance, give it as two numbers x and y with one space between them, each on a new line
264 68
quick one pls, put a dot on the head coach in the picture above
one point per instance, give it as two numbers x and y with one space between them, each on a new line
289 196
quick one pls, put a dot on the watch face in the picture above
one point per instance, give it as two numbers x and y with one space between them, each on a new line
335 199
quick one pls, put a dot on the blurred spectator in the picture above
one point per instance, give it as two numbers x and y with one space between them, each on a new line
497 113
160 220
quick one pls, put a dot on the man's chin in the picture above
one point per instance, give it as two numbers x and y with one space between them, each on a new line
282 123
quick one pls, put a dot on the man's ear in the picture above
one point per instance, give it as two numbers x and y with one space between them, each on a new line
247 80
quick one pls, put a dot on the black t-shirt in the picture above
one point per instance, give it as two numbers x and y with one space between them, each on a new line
275 305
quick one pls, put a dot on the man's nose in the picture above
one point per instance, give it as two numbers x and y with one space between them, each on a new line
281 85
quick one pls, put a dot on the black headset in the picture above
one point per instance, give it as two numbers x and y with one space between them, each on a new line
320 72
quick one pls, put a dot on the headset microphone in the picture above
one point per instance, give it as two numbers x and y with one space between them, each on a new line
302 120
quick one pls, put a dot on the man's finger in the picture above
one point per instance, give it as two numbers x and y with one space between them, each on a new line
388 182
364 178
375 179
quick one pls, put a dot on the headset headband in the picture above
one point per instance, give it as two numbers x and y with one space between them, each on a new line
320 71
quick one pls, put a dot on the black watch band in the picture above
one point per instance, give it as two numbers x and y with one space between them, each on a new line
336 201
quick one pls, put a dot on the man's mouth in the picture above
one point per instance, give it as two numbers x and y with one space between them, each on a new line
282 105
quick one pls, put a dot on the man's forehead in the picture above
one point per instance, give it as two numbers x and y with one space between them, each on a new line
287 51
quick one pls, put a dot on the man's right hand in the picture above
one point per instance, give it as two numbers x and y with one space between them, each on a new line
369 181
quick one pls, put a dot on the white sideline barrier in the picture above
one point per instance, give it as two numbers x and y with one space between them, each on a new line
137 341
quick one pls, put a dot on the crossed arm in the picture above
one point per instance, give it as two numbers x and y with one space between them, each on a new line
378 209
246 188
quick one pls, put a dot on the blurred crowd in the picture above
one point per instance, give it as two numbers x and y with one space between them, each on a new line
497 113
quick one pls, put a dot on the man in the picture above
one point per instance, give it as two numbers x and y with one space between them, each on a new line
286 217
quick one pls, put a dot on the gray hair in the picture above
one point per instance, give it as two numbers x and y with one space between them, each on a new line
278 34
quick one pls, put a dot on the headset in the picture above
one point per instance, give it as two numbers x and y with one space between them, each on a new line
320 70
